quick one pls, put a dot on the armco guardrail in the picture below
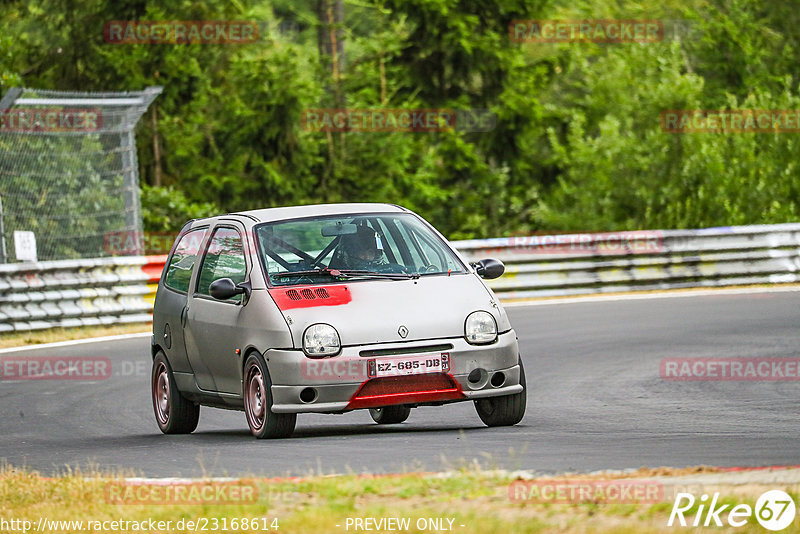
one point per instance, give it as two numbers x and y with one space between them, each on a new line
120 290
71 293
541 266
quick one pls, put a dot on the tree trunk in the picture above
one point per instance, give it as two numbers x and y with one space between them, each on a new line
330 42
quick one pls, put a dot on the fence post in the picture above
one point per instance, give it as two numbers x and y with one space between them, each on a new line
3 254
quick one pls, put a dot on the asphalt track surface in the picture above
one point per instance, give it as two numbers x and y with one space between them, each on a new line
595 401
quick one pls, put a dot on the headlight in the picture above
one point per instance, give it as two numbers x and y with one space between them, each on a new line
321 340
480 328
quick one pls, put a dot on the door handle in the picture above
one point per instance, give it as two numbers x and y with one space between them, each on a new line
184 314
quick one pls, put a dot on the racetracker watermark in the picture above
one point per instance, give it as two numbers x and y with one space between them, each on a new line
50 120
14 368
181 32
634 242
731 121
587 30
334 369
730 369
606 491
181 493
397 120
132 242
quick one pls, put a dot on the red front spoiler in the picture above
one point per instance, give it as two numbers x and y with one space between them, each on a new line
411 389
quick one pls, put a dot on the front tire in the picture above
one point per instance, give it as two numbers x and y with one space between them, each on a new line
507 410
175 414
390 415
257 387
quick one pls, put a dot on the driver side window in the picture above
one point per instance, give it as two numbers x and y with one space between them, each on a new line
224 258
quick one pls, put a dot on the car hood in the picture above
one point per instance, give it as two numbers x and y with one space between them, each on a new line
373 311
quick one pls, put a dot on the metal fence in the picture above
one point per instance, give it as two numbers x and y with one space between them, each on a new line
68 170
118 290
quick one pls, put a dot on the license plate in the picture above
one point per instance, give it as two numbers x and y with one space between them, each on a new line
409 365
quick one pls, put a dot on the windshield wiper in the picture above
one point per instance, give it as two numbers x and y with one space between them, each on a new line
330 272
344 274
351 273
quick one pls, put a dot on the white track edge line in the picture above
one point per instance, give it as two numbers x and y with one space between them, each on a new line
72 342
547 301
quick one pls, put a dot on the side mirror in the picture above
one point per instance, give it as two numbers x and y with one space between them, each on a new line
224 289
489 268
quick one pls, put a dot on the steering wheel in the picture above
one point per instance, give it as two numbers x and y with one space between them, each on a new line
391 268
429 269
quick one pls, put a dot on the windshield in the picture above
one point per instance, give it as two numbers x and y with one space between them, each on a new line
364 246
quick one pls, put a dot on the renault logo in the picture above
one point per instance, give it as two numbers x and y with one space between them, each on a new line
403 331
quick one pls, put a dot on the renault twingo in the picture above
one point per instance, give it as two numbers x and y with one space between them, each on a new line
327 309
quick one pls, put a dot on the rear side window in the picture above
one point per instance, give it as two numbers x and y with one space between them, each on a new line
224 259
179 271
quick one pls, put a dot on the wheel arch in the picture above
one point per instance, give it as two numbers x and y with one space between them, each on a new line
245 355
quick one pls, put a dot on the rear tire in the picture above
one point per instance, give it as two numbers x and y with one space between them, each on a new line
175 414
257 390
390 415
507 410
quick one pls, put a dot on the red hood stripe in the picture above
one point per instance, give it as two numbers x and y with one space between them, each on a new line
289 298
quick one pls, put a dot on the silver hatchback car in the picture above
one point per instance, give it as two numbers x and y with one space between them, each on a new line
327 309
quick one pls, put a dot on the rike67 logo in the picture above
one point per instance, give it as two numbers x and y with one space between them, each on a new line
774 510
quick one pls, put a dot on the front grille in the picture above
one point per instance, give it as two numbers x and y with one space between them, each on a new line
443 347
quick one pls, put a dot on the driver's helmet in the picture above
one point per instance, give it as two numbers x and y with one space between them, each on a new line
363 249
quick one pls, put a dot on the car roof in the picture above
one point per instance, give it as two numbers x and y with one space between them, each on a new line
291 212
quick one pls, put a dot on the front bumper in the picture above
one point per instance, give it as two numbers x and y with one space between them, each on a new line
302 384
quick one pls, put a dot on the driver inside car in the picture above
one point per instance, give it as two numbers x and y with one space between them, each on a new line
362 250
